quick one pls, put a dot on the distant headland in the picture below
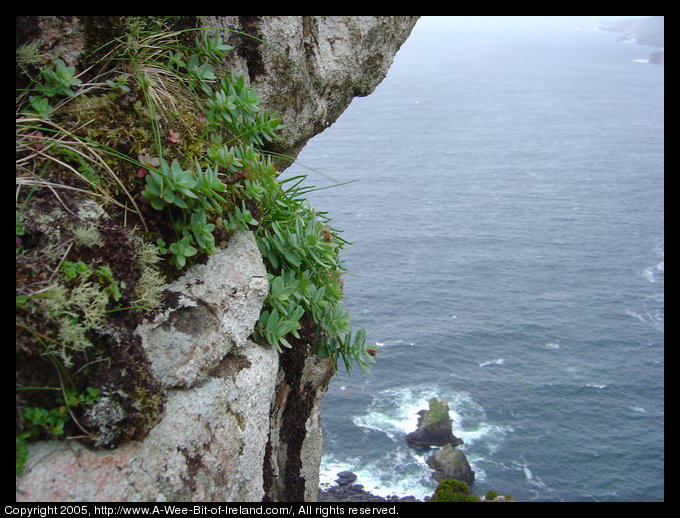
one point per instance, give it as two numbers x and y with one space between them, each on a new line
645 31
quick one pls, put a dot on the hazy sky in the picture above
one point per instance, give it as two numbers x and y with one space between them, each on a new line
512 20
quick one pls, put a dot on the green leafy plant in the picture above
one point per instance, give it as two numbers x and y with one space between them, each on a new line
37 421
302 253
200 71
72 270
40 106
169 184
202 231
452 490
181 250
119 83
274 326
240 219
59 80
105 277
211 45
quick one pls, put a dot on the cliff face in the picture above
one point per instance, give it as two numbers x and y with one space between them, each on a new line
312 66
306 68
644 31
237 421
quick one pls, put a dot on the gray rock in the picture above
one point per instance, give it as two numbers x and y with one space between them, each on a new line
218 305
450 462
320 62
295 437
210 446
345 478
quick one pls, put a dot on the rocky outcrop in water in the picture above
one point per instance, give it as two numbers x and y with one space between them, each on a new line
434 427
450 462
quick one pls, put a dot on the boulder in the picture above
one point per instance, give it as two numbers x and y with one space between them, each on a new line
450 462
434 427
345 478
211 441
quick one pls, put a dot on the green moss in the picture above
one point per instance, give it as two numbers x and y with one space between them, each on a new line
110 120
438 410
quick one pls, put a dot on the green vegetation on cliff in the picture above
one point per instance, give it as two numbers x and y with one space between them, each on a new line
128 173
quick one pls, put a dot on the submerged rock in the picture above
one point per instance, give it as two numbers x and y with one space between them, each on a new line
434 427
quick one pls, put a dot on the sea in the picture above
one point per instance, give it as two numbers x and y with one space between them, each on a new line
506 215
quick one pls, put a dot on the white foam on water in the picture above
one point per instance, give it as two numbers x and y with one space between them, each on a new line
650 273
395 411
532 479
652 312
530 476
402 470
330 467
402 474
497 361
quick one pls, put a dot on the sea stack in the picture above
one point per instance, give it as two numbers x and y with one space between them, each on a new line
434 427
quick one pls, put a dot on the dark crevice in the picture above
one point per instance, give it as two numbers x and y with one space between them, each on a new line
250 47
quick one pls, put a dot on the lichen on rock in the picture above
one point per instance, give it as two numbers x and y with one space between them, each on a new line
217 306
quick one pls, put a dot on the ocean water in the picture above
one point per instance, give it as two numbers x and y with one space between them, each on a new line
508 256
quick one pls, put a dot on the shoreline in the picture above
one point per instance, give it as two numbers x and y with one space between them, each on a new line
345 490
